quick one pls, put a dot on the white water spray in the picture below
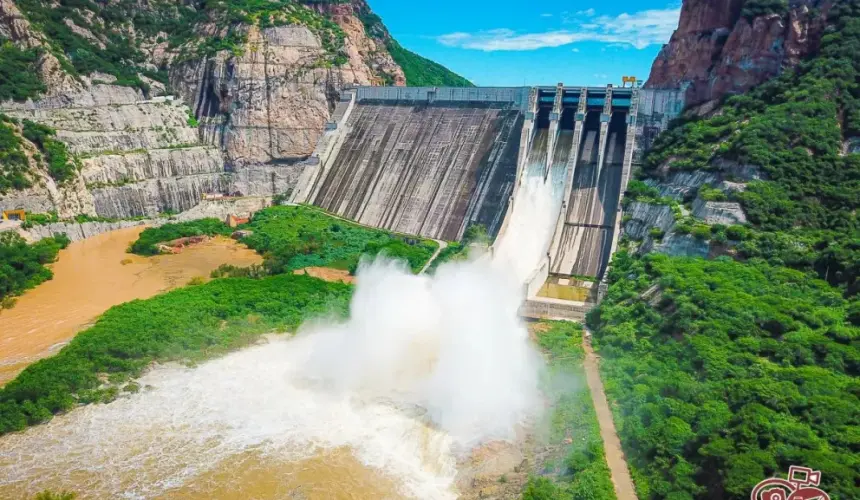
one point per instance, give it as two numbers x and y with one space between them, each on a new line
424 369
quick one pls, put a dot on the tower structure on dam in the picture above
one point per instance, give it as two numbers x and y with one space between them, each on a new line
434 160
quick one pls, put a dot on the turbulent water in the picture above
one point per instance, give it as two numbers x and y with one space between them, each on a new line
379 406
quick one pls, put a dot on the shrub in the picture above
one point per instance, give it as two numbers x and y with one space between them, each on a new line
22 266
294 237
147 242
701 231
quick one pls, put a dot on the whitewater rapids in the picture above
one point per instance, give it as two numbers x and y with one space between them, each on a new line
424 369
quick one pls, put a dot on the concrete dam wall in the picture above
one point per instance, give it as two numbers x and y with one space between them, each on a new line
432 161
424 168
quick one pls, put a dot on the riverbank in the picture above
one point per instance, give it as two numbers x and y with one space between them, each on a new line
89 277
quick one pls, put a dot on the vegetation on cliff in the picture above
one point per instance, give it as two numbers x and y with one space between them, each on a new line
794 129
22 266
60 163
422 72
119 38
53 156
14 165
18 81
190 323
418 71
579 469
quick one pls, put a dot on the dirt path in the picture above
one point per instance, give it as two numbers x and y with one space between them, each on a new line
442 246
624 489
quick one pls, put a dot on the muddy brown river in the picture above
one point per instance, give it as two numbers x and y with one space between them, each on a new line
91 276
332 413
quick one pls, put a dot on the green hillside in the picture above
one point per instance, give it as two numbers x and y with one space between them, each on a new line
419 71
728 371
422 72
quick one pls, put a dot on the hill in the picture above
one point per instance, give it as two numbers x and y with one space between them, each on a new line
730 333
158 103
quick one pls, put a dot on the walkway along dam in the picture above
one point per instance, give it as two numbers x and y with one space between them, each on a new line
434 160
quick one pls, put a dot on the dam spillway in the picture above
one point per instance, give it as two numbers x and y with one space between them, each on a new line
421 167
432 161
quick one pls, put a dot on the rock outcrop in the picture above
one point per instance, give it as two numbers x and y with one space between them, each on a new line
641 217
81 230
720 48
242 122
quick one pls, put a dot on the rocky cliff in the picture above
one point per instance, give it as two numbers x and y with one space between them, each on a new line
728 46
254 85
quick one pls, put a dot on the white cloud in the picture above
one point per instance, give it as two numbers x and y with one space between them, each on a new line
639 30
546 15
586 13
574 49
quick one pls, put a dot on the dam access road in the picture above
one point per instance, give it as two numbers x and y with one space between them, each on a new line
434 160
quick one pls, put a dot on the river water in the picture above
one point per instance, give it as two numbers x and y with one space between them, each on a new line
92 275
386 404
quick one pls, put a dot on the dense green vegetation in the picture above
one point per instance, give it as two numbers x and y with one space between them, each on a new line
422 72
419 71
726 373
793 129
580 472
22 266
190 323
18 81
40 219
293 237
62 166
729 371
147 242
14 166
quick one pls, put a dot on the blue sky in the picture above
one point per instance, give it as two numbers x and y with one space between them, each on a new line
514 42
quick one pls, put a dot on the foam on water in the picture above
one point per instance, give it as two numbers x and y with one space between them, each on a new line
424 369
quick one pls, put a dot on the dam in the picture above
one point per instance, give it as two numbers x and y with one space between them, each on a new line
434 160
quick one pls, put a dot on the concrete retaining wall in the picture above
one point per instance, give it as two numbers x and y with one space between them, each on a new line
546 308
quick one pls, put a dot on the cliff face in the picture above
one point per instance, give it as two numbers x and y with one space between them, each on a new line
243 119
728 46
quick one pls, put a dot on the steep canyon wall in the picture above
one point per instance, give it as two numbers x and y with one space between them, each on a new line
724 47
